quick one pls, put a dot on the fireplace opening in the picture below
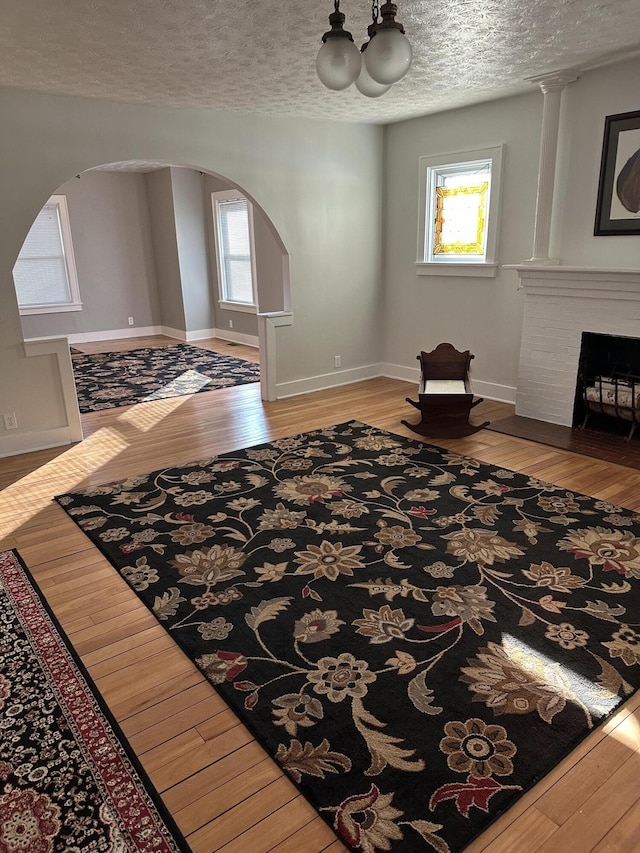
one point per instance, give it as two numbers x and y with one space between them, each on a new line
608 385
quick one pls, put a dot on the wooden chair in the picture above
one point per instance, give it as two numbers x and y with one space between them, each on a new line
445 398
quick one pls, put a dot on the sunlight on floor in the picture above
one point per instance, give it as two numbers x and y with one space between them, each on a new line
628 733
189 382
144 418
29 495
563 681
118 447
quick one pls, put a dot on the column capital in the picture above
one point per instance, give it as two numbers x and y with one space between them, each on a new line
555 81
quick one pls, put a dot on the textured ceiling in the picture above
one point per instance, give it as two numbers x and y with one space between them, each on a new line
259 55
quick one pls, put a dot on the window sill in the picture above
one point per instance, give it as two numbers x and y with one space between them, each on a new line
238 306
481 270
49 309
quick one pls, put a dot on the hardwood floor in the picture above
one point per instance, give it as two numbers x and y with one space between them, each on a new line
225 793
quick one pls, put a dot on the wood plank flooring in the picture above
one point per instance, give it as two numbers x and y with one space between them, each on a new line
225 793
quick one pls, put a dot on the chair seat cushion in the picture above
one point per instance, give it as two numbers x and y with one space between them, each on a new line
443 386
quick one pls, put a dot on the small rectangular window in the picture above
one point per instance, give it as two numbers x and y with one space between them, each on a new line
45 275
461 216
459 208
233 219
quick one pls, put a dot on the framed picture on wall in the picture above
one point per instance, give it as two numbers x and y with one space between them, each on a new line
618 207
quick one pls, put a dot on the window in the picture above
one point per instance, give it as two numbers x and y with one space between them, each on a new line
459 209
45 275
233 229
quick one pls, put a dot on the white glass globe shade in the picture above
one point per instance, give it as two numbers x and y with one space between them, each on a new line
367 85
388 56
338 63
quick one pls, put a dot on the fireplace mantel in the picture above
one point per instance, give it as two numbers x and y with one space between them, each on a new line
553 270
584 278
561 302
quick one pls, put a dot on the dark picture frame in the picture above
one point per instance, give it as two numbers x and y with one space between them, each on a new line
618 206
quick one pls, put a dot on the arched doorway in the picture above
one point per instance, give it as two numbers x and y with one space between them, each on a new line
144 235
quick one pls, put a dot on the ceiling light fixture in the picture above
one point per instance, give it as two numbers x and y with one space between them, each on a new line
389 55
338 62
385 59
365 83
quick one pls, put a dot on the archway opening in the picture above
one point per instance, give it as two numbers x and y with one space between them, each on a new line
144 247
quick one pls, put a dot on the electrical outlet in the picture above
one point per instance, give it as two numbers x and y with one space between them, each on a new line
130 320
231 324
337 361
10 421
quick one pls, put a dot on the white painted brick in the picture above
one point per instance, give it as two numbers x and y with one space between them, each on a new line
551 340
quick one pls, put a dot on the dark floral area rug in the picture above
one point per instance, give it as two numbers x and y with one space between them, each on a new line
68 782
416 637
106 380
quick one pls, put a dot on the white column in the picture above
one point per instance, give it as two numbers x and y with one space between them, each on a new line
552 86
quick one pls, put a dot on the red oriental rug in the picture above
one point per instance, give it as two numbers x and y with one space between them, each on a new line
68 781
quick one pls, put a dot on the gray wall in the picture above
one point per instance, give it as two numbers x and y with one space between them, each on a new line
586 102
269 266
480 314
109 218
124 226
192 245
165 248
318 181
241 322
321 185
485 314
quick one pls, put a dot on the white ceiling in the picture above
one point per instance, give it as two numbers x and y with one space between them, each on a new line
259 55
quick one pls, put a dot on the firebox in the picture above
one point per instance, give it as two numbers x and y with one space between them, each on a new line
608 384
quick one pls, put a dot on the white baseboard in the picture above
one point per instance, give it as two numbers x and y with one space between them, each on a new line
400 371
27 442
493 391
490 390
208 334
113 334
149 331
326 380
200 335
234 337
178 334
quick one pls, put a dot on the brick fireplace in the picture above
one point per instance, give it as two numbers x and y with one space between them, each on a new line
560 304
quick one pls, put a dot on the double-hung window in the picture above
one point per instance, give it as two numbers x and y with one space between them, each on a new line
235 253
45 274
459 210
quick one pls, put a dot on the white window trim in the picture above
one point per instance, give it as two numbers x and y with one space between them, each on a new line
488 266
70 262
237 306
226 304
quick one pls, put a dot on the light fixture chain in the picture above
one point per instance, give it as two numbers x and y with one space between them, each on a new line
375 11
